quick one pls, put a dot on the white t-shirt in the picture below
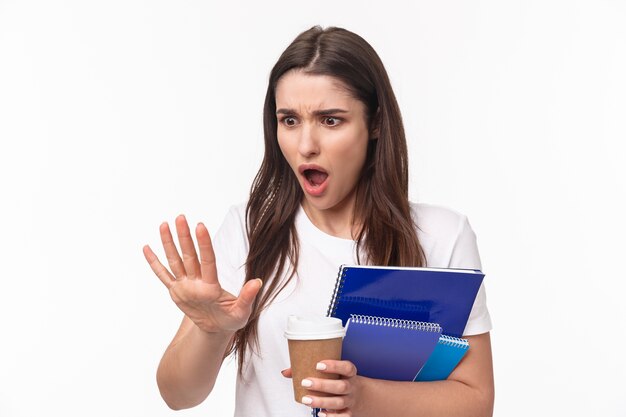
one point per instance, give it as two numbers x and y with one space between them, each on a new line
445 236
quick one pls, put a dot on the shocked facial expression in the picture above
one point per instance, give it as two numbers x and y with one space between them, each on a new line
323 134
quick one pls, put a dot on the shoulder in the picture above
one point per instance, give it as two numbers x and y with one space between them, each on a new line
446 236
437 220
233 229
238 209
236 216
230 245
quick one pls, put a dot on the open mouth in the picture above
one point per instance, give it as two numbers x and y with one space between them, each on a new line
315 177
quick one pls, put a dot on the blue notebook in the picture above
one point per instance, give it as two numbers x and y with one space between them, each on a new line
384 348
431 295
446 356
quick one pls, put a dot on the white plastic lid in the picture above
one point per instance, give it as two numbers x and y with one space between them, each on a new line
313 328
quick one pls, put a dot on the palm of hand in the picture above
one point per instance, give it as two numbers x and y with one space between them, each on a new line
210 307
193 283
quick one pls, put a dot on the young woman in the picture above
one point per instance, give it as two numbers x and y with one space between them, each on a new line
332 189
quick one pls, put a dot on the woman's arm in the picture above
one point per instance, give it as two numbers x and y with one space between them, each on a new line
190 365
468 392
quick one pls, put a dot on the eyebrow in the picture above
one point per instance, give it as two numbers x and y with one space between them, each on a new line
316 112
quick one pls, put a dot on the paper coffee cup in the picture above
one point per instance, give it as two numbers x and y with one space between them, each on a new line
312 339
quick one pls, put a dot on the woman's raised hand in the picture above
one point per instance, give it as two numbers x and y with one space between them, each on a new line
193 283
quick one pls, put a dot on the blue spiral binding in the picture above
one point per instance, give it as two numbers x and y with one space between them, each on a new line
341 276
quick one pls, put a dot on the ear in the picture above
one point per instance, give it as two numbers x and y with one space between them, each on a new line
375 125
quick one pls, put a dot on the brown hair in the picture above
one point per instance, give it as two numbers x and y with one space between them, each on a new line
388 234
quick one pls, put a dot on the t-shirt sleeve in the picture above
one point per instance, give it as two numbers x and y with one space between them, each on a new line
465 255
230 245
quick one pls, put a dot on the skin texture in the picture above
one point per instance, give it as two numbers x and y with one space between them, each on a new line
321 125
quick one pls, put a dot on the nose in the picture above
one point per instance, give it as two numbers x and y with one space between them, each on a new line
308 144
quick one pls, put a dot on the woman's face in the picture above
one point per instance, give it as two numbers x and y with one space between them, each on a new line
323 134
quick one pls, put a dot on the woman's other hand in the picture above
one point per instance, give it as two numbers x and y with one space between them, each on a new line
344 392
193 283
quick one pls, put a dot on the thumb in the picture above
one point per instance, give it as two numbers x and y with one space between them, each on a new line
249 291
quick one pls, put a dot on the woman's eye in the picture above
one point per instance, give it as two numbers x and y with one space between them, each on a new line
331 121
289 121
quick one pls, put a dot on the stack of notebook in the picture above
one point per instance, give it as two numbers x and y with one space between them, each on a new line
404 324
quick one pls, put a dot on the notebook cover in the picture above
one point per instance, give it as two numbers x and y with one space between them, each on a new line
446 356
389 349
443 296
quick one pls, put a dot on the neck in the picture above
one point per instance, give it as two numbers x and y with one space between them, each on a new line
336 221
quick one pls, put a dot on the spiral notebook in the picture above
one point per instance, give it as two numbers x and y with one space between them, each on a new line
431 295
445 357
391 349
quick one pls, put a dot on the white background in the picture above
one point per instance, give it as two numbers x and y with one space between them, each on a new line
118 115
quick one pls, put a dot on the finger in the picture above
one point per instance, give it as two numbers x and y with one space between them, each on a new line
190 259
330 403
208 270
329 386
243 306
171 252
249 292
343 368
286 373
161 272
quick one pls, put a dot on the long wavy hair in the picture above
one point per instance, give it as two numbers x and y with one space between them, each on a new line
387 235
